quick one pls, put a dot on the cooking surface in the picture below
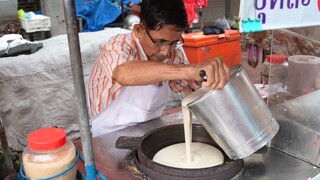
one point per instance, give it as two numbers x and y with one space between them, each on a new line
271 165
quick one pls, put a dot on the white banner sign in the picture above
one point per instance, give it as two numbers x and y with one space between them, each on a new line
258 15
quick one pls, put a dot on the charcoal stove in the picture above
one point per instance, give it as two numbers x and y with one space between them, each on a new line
120 164
144 148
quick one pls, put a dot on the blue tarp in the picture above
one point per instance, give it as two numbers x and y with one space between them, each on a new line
98 13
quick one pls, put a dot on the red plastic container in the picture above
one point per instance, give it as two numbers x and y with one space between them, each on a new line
200 48
276 58
49 153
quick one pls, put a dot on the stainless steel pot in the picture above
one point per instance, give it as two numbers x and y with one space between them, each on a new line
236 117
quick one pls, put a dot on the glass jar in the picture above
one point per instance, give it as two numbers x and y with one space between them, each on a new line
49 154
275 70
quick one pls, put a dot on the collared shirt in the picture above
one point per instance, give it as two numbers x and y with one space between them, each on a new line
120 49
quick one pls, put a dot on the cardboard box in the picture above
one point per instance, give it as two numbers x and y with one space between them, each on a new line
200 48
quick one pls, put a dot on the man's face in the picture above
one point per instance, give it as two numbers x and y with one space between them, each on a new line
158 43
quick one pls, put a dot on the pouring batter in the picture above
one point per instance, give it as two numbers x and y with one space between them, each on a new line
190 154
187 117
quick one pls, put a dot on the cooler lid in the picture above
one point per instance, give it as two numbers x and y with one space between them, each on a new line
197 39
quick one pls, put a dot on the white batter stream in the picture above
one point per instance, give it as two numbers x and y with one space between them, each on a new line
189 155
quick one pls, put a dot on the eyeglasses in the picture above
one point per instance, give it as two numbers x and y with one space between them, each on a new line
164 44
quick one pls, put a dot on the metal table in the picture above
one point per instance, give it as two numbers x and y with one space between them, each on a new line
274 165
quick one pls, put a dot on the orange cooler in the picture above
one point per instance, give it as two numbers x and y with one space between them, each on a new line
200 48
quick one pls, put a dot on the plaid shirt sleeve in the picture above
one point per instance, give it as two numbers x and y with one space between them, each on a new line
178 57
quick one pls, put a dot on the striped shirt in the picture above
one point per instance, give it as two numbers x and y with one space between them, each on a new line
120 49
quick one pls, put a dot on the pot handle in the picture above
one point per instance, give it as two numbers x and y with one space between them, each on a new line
128 142
203 75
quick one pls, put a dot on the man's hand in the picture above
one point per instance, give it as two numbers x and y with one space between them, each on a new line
217 73
193 86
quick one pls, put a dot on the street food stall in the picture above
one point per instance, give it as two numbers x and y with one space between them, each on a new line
288 152
291 154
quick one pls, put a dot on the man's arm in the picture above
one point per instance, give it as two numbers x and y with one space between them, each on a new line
148 72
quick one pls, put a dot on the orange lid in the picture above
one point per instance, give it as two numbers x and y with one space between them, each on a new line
47 139
276 58
197 39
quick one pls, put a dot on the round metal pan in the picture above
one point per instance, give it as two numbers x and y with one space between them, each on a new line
149 144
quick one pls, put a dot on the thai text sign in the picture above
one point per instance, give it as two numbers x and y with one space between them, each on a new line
277 14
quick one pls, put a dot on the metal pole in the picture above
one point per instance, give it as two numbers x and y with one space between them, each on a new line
79 88
122 14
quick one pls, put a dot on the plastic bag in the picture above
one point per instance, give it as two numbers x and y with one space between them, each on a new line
253 54
222 23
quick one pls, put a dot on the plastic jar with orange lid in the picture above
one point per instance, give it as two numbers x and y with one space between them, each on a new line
49 155
275 70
